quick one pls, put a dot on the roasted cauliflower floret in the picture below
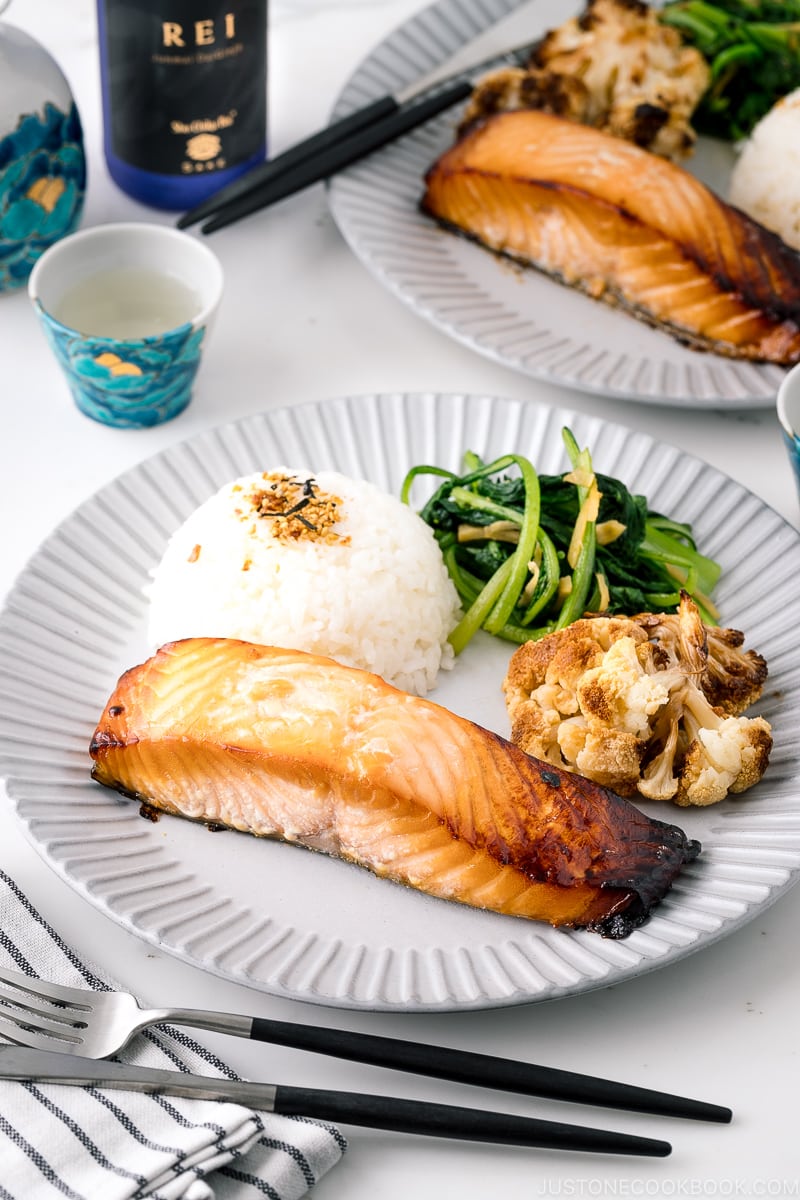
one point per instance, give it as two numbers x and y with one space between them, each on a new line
649 704
725 754
513 88
731 678
611 758
596 691
658 781
622 693
615 67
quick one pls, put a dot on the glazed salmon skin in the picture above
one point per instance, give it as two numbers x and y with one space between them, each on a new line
624 226
290 745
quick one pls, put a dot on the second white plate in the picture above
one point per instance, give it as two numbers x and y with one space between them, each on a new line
520 318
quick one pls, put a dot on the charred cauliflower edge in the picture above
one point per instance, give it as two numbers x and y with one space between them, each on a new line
615 67
648 704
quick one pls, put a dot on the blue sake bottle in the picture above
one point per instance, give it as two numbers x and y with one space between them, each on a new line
184 89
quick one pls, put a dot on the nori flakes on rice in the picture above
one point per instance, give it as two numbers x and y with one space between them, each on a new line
315 562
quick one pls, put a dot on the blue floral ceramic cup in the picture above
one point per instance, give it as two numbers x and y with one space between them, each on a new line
127 310
42 160
789 417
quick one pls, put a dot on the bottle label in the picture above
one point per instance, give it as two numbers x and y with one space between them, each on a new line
186 83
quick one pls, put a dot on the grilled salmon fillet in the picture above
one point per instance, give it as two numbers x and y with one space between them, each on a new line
625 226
290 745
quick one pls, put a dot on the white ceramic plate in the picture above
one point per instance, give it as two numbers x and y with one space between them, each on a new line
295 923
519 318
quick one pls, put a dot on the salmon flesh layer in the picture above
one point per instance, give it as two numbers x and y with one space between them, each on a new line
625 226
289 745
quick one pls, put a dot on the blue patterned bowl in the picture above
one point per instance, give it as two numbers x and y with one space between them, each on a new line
789 417
128 382
42 161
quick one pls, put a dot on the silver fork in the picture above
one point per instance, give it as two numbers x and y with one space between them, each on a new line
50 1016
92 1024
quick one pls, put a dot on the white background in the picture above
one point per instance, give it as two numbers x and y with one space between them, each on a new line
301 320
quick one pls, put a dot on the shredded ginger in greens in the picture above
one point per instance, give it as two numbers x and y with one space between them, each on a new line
531 553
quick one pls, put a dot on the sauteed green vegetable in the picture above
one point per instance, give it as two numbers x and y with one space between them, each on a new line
531 553
753 50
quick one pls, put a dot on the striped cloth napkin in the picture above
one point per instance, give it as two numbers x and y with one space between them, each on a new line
93 1144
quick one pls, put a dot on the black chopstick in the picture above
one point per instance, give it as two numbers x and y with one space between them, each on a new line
282 163
335 157
483 1070
466 1124
342 130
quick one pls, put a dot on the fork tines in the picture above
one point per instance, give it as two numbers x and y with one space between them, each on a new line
30 1018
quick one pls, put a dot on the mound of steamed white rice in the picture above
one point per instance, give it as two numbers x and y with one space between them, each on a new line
766 178
321 563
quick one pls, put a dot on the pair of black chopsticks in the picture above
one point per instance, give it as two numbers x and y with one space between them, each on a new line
340 144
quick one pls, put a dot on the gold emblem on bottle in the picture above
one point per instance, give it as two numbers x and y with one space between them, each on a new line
203 146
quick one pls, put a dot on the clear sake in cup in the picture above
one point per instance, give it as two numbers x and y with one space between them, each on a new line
127 310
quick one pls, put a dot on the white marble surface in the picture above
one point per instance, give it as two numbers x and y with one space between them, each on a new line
302 320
